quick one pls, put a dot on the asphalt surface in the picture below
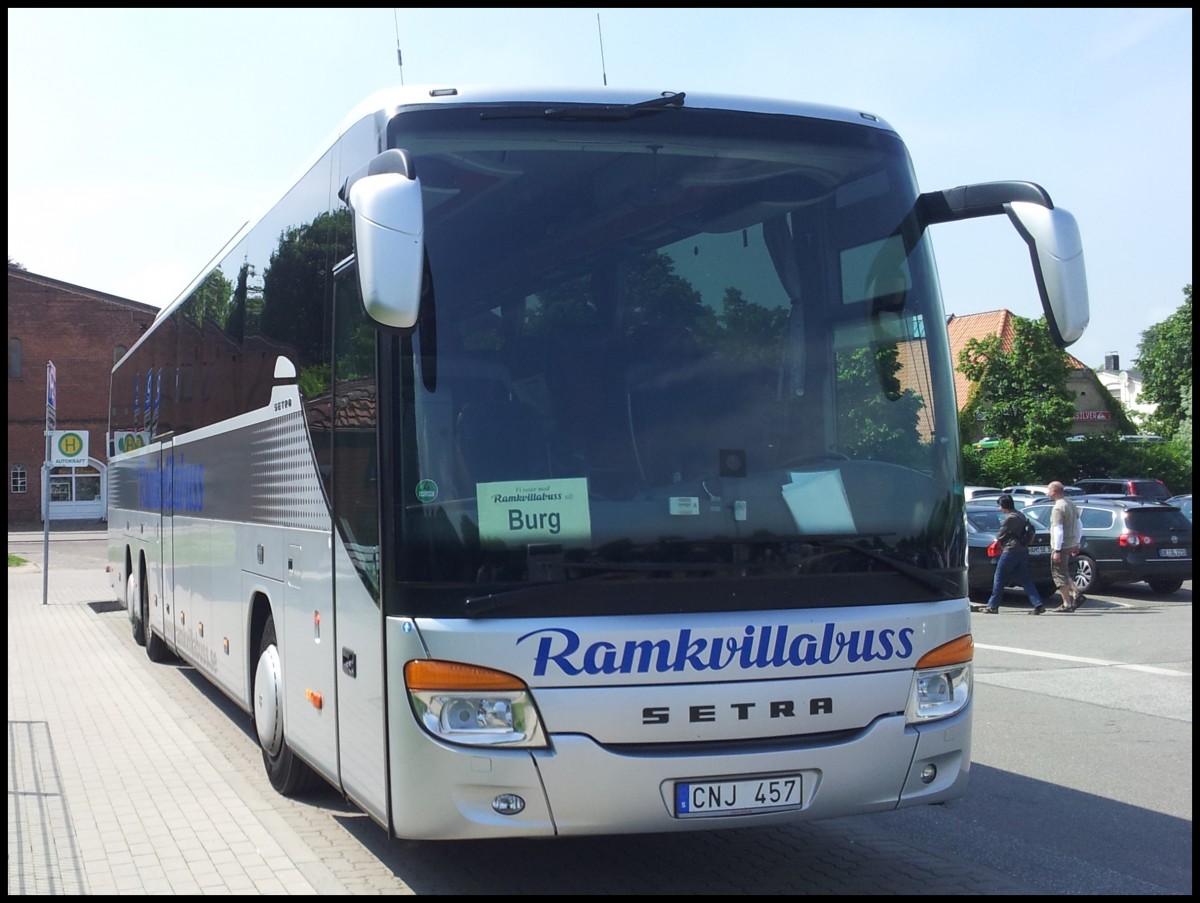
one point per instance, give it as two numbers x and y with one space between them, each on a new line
130 777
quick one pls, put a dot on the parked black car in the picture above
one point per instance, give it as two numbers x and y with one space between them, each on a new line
983 552
1141 488
1126 541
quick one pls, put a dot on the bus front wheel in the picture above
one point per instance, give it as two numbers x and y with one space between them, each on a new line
284 769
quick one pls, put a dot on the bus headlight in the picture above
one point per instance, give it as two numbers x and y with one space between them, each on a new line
475 706
941 684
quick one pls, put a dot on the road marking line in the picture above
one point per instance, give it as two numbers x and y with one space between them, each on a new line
1148 669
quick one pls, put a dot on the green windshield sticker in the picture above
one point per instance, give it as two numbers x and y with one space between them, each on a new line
520 512
427 490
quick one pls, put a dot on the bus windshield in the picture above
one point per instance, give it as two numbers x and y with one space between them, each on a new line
686 352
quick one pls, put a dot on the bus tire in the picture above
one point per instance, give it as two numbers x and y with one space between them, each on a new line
133 604
287 773
156 646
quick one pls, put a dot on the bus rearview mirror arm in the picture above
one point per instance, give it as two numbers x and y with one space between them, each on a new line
1055 248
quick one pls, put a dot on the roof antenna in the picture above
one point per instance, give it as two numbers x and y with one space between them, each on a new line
399 56
603 71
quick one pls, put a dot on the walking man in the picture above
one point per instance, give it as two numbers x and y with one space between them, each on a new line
1014 536
1065 536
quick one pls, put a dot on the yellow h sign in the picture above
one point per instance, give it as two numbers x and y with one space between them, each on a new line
69 448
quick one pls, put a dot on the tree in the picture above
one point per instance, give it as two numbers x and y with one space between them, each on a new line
1020 391
876 416
1184 434
1165 359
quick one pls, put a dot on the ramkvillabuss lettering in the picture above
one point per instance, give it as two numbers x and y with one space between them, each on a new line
498 498
762 647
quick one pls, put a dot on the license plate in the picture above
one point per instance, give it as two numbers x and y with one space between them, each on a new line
1036 551
696 800
1172 553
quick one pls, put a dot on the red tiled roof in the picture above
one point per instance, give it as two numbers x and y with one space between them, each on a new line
961 329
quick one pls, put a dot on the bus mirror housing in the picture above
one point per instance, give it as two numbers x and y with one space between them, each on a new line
1052 234
1057 254
389 237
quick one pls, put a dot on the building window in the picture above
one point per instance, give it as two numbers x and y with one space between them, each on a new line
14 358
118 353
18 480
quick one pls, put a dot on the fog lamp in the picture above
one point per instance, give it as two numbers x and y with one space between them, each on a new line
508 804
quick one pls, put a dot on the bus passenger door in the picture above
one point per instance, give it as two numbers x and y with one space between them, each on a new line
354 485
162 615
308 635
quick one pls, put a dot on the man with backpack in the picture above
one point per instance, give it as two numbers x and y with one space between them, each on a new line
1015 535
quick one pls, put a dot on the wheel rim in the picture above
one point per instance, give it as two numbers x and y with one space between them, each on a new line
1085 574
268 713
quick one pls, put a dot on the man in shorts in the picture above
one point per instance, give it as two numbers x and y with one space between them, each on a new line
1065 535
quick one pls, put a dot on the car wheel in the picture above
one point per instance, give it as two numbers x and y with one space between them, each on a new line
287 773
1084 573
1165 586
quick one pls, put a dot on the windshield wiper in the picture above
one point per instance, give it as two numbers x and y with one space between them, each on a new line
597 112
925 578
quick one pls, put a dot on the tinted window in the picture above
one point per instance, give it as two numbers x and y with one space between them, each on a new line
987 521
1150 520
1093 518
1151 489
1101 486
1039 514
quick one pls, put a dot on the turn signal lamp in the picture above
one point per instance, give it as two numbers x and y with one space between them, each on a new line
941 684
474 706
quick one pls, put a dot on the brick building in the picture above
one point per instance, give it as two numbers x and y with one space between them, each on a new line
1093 404
82 331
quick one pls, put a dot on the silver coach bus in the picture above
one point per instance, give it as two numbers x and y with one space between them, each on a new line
559 462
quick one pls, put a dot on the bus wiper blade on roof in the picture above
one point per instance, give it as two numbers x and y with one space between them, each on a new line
598 112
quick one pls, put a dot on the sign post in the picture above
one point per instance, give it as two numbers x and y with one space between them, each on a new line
51 421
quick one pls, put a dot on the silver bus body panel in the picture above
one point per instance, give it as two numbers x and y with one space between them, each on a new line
618 743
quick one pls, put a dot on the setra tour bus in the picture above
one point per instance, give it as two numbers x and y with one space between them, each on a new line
562 462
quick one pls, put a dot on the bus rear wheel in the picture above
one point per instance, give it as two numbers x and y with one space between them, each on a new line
156 646
287 773
133 605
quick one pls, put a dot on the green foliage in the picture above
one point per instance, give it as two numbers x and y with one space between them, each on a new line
876 418
209 301
1100 456
1165 359
293 294
314 380
1021 392
751 330
1183 435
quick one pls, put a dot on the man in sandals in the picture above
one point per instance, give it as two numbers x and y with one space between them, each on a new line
1065 535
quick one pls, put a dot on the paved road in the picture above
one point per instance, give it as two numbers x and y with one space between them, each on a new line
130 777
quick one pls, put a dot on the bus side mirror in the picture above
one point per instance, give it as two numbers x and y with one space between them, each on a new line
389 237
389 243
1057 254
1051 233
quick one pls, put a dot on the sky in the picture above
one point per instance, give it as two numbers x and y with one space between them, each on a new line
140 141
